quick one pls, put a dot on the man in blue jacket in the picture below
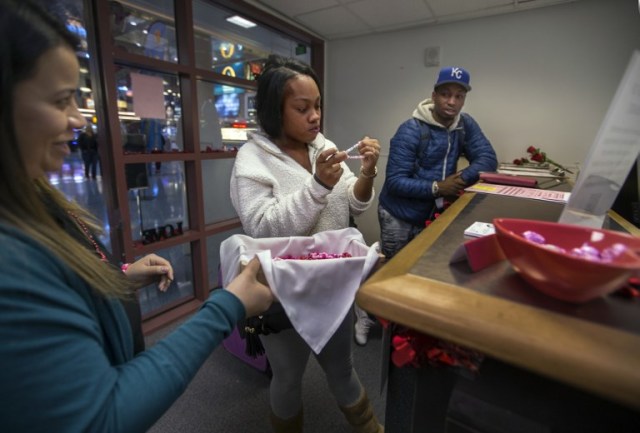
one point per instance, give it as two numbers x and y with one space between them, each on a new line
423 159
423 166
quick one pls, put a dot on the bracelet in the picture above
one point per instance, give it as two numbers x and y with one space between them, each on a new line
369 176
324 185
124 267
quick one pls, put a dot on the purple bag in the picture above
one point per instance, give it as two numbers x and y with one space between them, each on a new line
236 345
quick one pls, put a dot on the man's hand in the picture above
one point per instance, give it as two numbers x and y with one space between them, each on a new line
452 185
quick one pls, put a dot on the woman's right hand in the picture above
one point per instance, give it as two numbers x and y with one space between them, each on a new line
328 168
255 296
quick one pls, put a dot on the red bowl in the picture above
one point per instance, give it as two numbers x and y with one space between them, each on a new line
559 274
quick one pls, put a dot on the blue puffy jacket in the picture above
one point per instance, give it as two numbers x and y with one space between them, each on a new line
406 193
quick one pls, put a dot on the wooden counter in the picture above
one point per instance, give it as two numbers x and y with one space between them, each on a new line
594 346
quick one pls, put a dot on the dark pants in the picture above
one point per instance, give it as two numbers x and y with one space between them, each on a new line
395 233
90 158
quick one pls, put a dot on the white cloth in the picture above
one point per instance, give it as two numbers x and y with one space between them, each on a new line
315 294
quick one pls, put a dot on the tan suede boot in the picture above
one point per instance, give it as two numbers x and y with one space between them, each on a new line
289 425
361 417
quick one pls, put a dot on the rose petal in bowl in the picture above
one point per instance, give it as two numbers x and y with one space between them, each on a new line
554 271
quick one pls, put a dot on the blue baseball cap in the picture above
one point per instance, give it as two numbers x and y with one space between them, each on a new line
453 74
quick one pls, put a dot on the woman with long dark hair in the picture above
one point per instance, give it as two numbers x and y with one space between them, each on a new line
66 345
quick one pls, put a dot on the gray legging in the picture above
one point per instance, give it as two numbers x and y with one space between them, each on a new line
288 355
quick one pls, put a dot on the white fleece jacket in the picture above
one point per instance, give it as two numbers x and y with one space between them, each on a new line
275 196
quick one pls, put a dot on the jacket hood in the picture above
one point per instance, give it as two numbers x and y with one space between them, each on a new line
424 112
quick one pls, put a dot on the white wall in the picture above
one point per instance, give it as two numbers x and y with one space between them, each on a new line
542 77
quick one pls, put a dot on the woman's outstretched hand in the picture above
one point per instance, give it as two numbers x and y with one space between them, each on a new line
150 269
255 296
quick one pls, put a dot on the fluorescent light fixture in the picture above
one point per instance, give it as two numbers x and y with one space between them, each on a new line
242 22
123 115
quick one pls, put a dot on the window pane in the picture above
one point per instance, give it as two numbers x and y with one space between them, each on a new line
73 180
236 51
227 114
216 175
157 200
145 27
152 299
149 109
85 191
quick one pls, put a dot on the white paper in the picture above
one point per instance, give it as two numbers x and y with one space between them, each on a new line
531 173
148 96
479 229
611 156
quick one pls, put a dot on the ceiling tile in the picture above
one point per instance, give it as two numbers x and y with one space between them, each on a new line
334 22
334 19
447 7
293 8
386 14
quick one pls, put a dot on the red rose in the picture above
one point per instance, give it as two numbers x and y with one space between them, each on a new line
538 157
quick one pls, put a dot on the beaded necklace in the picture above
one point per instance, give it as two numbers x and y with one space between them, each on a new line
88 235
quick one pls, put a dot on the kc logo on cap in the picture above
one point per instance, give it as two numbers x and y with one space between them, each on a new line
454 74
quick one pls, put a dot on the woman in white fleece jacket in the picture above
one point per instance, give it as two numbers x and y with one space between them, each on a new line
288 180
